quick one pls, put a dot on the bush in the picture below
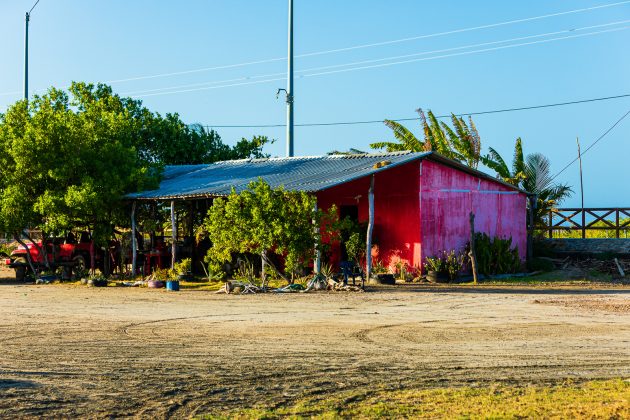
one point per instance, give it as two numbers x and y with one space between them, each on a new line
540 264
495 255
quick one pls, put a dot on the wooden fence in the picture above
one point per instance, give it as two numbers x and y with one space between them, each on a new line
563 222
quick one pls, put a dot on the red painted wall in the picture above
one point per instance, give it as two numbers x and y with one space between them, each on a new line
396 211
417 216
447 198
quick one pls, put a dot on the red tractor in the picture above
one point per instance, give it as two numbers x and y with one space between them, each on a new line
66 253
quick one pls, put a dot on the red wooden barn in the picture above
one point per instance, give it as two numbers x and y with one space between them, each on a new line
422 201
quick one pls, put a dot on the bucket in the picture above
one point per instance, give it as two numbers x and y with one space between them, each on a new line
172 285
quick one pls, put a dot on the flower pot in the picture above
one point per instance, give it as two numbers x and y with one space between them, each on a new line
155 284
185 277
437 277
172 285
383 279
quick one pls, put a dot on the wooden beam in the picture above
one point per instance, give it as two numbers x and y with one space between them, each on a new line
471 254
370 230
134 245
173 235
317 263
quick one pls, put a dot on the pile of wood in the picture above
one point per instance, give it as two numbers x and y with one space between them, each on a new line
239 287
315 284
338 286
616 267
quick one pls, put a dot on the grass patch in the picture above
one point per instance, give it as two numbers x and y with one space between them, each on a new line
595 399
556 277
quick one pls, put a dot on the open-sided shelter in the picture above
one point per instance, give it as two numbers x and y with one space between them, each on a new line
421 201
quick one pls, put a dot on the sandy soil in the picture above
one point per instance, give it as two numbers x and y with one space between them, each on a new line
78 351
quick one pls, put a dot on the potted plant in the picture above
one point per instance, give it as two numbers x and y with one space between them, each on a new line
159 278
172 284
436 268
454 264
183 270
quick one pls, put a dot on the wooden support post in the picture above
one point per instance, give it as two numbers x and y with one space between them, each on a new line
550 224
173 235
191 235
370 230
317 263
134 245
533 201
617 223
471 253
263 269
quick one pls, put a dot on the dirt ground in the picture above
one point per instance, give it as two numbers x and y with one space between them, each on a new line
74 351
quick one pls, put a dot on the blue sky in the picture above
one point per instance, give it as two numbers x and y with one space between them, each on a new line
114 40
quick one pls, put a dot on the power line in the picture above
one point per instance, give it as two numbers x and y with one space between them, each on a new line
362 46
171 92
166 90
496 111
591 145
376 44
465 52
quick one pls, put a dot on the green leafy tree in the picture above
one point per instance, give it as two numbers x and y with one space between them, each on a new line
71 159
461 142
261 220
171 142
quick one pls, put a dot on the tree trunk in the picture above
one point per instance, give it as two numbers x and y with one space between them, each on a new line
28 254
42 249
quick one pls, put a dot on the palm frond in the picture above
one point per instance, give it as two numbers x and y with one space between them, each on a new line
518 164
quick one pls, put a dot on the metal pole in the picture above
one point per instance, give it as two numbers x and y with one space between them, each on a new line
26 56
290 85
581 189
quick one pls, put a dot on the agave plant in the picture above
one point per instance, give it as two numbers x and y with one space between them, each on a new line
461 143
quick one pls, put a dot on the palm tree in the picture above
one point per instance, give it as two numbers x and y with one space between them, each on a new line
538 180
494 161
461 143
532 174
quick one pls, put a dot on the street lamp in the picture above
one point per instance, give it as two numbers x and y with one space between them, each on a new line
28 17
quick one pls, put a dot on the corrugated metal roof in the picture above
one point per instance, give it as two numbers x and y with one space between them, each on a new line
310 174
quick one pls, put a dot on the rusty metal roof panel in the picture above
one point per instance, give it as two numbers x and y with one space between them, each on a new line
310 174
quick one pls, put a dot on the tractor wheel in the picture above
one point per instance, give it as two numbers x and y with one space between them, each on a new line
79 266
20 273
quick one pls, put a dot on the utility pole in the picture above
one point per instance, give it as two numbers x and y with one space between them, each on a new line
28 17
290 85
581 189
26 56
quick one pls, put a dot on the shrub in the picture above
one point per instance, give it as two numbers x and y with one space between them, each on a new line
540 264
184 266
495 255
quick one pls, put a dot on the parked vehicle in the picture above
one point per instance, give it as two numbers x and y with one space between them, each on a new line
66 253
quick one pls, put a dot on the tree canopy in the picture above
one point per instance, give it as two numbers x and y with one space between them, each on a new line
532 173
461 142
70 157
262 219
